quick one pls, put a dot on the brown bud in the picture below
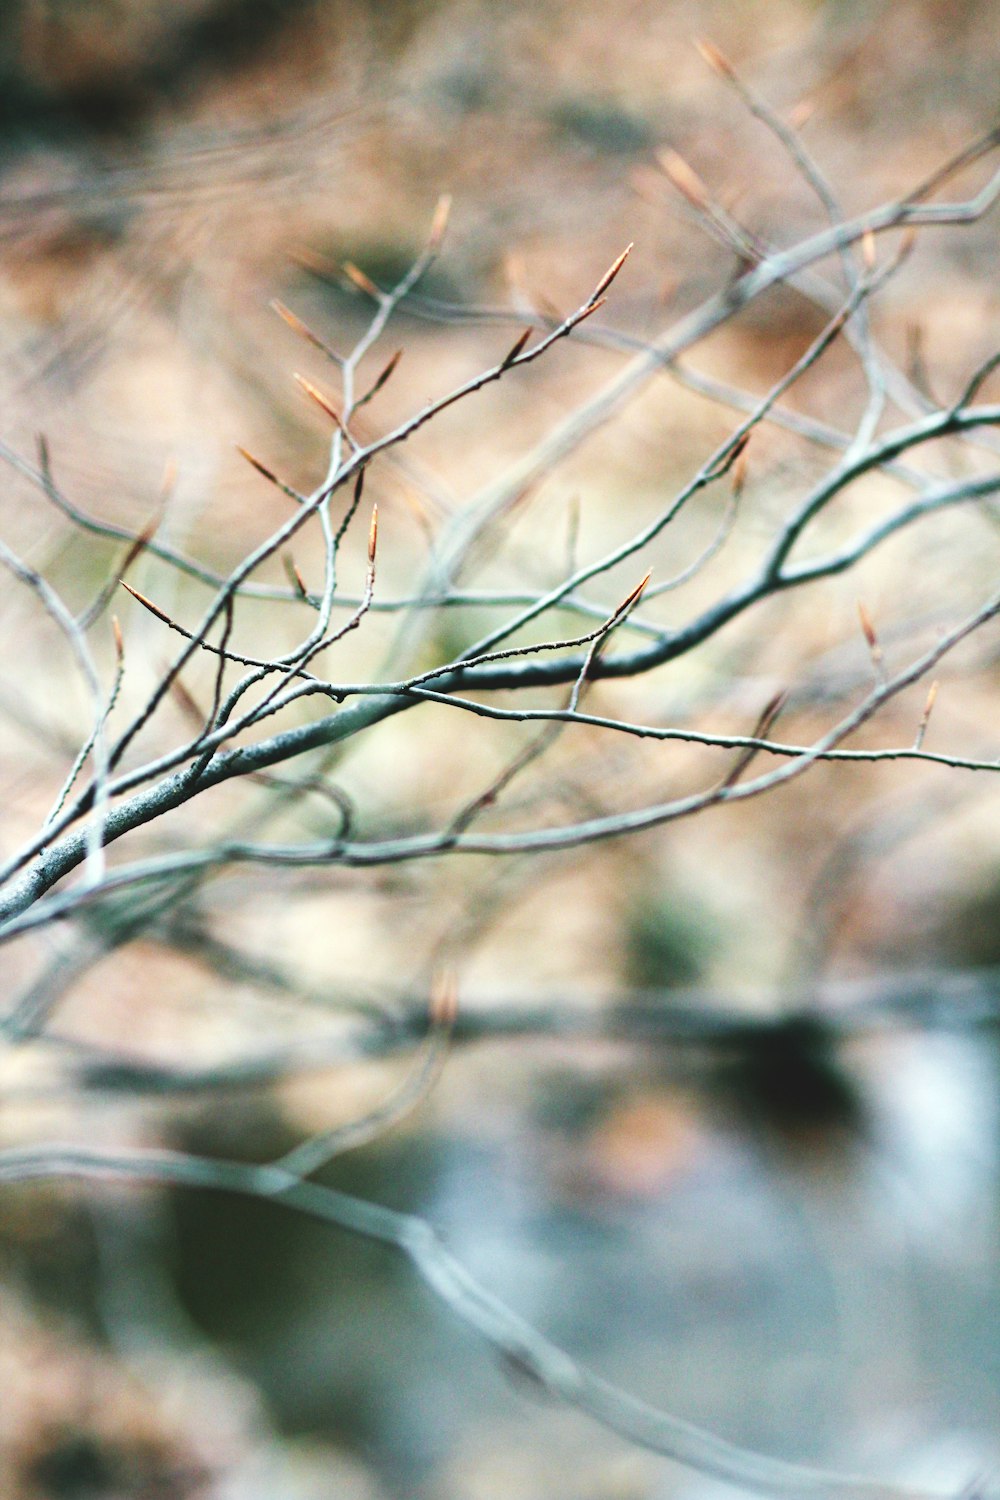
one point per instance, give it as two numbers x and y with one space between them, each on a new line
907 243
154 609
256 463
381 379
611 272
515 349
360 280
739 469
168 480
715 59
295 576
443 1007
684 178
868 629
802 112
440 221
633 597
321 400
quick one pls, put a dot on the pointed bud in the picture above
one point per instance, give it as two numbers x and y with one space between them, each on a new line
926 715
168 480
322 401
311 260
868 629
294 576
611 273
760 731
116 631
715 59
684 178
302 329
874 649
443 1007
440 221
381 379
770 712
632 598
138 545
360 280
373 535
907 244
154 609
739 469
256 463
286 315
515 349
803 111
186 699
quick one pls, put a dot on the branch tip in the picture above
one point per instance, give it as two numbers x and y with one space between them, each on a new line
684 178
311 260
286 315
770 712
874 649
167 482
439 224
739 467
926 715
760 731
716 60
323 402
294 322
373 535
295 576
633 597
515 349
730 459
867 628
802 113
186 700
116 631
442 1007
611 273
138 545
154 609
907 244
363 283
381 379
256 464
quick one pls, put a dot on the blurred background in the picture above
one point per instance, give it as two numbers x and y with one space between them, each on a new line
721 1113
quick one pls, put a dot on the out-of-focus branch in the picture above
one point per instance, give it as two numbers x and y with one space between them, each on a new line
677 1022
519 1342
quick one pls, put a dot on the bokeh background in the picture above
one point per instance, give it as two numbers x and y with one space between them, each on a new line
722 1112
